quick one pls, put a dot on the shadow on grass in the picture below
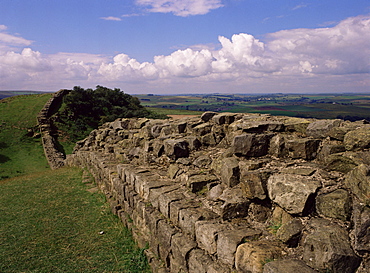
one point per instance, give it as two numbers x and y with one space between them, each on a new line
4 158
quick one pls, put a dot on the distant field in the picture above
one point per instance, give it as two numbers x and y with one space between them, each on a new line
345 106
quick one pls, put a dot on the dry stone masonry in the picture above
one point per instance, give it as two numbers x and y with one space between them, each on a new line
54 157
238 192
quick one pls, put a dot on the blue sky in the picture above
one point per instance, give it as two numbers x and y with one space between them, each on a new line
186 46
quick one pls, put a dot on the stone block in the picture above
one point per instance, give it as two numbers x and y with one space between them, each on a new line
176 148
358 180
292 192
304 148
361 231
230 171
254 183
202 129
164 235
358 139
229 239
290 232
208 140
251 256
197 182
235 203
339 163
336 204
199 261
321 128
194 142
278 147
251 144
176 206
224 118
206 116
188 217
328 248
206 235
287 266
165 199
181 245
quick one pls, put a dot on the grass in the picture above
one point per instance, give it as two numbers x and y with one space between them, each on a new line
20 154
50 223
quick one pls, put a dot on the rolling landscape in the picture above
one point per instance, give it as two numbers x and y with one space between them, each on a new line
343 106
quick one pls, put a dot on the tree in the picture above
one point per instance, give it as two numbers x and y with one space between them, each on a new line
85 110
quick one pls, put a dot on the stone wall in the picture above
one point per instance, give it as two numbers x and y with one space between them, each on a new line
54 157
238 192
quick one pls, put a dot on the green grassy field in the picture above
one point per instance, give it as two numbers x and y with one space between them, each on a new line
49 221
19 153
355 106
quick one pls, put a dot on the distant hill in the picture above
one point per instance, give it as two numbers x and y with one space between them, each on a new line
5 93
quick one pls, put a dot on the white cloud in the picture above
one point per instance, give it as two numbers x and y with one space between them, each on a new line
300 6
181 7
303 60
3 27
111 18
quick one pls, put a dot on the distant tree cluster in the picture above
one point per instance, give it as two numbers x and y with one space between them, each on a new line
85 110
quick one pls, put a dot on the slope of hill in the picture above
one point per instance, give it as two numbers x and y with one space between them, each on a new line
20 149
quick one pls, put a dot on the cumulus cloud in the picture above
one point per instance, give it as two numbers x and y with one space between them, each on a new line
292 59
111 18
180 7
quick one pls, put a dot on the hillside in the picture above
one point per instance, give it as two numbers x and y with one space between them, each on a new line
20 148
53 220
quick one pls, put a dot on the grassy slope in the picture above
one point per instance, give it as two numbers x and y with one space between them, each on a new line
19 154
48 221
55 227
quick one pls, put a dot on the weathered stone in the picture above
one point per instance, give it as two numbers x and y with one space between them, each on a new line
358 180
206 116
303 148
339 163
335 205
251 144
358 139
224 118
292 192
206 233
251 256
290 232
296 124
176 148
230 171
327 247
305 171
202 161
194 143
198 182
173 170
254 183
199 261
321 128
189 216
228 241
208 140
278 147
202 129
165 232
235 204
361 231
181 245
328 148
259 212
165 199
287 266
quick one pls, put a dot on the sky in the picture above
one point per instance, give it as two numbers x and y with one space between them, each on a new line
186 46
